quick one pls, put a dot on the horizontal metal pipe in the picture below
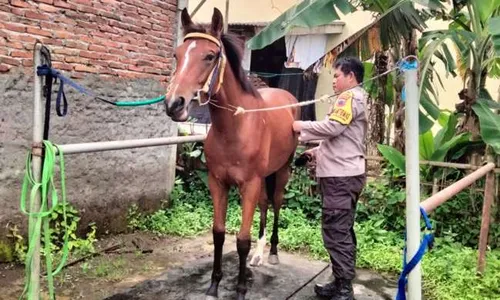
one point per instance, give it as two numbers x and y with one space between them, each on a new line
434 201
128 144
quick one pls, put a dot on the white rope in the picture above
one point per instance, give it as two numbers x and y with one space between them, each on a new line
241 110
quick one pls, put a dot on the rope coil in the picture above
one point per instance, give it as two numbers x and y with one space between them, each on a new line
46 186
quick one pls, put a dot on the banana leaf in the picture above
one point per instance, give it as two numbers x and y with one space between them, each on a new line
393 156
308 13
489 124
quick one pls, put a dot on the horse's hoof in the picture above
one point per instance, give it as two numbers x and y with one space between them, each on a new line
211 298
256 261
273 259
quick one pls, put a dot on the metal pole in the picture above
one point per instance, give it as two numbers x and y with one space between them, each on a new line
226 18
489 190
434 201
128 144
37 174
412 182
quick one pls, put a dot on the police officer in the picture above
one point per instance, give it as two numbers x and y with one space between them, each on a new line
340 168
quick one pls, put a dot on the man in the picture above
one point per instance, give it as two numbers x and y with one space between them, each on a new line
340 168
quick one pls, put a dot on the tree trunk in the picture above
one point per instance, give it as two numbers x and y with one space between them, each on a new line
399 122
376 107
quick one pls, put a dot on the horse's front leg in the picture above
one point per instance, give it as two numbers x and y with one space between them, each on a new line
219 191
250 192
258 255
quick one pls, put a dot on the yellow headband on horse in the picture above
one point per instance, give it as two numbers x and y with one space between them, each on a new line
202 36
220 66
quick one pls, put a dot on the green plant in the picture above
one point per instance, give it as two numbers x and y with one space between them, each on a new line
444 146
61 225
383 204
300 194
474 34
20 247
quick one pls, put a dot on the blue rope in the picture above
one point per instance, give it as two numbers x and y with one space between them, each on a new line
405 65
45 70
427 242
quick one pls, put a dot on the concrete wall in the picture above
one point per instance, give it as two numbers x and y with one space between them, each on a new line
118 49
353 23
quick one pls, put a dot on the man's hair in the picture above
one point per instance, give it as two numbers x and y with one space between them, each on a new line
351 64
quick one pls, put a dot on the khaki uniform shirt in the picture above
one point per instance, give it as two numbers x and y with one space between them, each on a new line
342 134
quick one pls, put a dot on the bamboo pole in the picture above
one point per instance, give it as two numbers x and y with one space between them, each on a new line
434 201
489 191
197 8
439 164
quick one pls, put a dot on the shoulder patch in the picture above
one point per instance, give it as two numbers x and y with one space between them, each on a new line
342 109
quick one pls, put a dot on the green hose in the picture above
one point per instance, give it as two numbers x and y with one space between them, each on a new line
46 187
140 102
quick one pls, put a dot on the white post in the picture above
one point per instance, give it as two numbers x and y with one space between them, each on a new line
412 182
37 174
226 18
181 4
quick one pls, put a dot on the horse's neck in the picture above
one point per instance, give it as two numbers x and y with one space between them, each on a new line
231 96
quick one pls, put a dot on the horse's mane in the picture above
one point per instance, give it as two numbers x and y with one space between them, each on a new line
234 53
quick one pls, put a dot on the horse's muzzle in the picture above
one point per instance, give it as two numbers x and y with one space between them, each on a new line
175 106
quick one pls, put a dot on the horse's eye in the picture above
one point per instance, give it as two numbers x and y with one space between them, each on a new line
209 57
175 56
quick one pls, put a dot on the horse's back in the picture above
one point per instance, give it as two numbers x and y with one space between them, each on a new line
274 97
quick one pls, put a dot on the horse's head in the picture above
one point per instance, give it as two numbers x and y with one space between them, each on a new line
200 66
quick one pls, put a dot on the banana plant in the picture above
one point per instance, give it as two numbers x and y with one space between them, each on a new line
432 147
474 35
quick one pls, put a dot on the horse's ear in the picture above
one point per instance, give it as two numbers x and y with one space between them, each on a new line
217 23
186 19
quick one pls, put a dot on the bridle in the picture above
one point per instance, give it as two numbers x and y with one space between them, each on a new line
217 72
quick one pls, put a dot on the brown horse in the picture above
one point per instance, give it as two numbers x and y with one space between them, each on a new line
252 150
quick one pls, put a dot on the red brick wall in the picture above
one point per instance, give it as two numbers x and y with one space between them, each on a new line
127 38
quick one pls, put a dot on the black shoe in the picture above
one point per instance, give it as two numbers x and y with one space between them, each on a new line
326 290
343 291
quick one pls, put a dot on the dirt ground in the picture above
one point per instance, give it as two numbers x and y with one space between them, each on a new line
103 275
149 267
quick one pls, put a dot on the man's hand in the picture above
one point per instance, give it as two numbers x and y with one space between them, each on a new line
307 156
297 126
311 152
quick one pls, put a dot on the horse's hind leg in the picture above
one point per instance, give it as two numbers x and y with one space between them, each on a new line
257 258
219 198
281 180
